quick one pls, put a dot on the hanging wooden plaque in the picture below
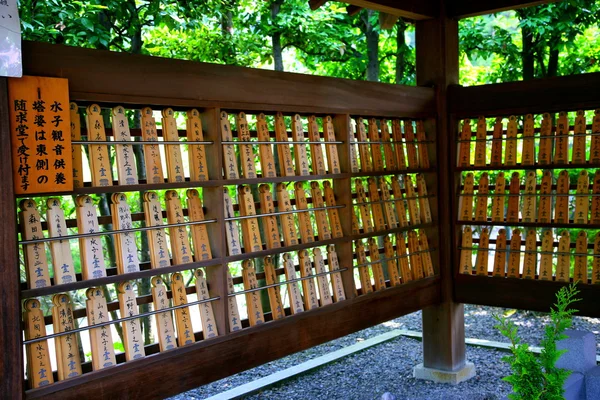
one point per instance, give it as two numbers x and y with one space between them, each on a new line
322 282
481 202
308 283
62 259
399 202
127 252
196 152
530 257
331 150
422 139
323 226
388 206
266 158
595 217
286 165
250 230
101 343
528 150
581 266
235 323
355 226
545 208
40 135
596 262
398 144
425 254
336 277
152 158
498 198
497 143
579 139
389 154
164 320
510 157
366 164
316 149
481 264
183 321
464 146
126 166
296 303
582 199
363 268
563 263
411 200
466 253
275 302
416 261
500 254
424 208
334 218
529 198
375 145
392 265
363 207
132 330
514 259
376 265
411 148
206 310
512 212
157 242
77 153
246 152
405 272
300 152
202 249
595 146
466 199
99 155
290 235
232 233
546 140
376 208
68 361
253 302
272 236
180 242
39 369
353 148
561 208
230 165
481 142
306 230
561 154
546 256
92 257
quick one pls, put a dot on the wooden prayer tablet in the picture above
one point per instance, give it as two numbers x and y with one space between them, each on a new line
270 228
164 320
595 214
530 258
322 282
230 165
207 316
375 145
399 202
231 229
159 252
333 159
363 207
316 150
424 208
563 263
62 259
481 201
101 343
277 311
510 157
196 152
126 249
250 230
363 268
580 271
388 204
512 212
99 159
466 253
514 259
416 262
296 303
306 230
266 158
582 199
336 277
596 262
320 215
376 208
92 259
290 235
561 150
411 200
421 138
388 151
425 254
366 164
545 208
334 218
355 226
466 199
39 369
246 151
464 146
286 165
180 242
202 249
67 346
561 208
253 302
235 323
399 144
405 272
529 198
126 167
546 256
376 265
579 139
308 285
392 265
497 143
528 150
353 155
154 170
132 330
300 152
183 322
481 264
481 143
500 254
411 148
77 154
546 140
498 199
595 146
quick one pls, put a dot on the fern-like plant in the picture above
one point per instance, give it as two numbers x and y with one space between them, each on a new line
538 378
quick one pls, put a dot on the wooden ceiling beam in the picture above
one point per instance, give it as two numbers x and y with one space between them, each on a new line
471 8
411 9
353 10
387 21
315 4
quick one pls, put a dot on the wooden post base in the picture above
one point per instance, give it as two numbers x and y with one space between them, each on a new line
440 376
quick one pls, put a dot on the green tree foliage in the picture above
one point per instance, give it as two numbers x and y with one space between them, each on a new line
533 377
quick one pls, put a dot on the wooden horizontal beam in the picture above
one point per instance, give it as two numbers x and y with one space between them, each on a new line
411 9
353 10
316 4
471 8
387 21
563 93
238 351
120 78
522 294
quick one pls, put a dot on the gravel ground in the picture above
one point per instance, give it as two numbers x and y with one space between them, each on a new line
388 367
